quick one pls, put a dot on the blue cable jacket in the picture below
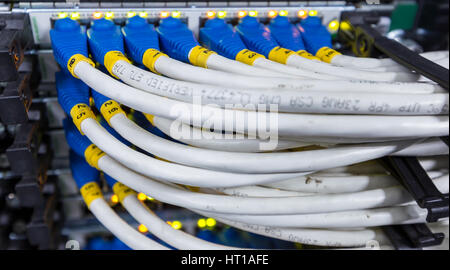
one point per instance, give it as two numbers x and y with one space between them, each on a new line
68 39
314 34
286 34
82 172
256 36
175 39
104 36
71 91
77 142
139 36
220 37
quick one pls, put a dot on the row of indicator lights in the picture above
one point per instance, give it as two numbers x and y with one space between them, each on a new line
176 14
110 14
253 13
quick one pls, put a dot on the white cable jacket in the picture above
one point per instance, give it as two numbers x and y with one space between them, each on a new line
170 172
278 162
221 63
302 73
165 232
320 183
261 192
245 145
386 62
254 206
347 219
313 65
429 147
290 125
120 228
314 97
197 75
318 237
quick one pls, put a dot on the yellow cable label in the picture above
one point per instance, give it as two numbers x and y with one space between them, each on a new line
74 60
199 56
149 118
90 192
327 54
280 55
79 113
109 109
92 154
248 57
149 59
111 58
307 55
122 191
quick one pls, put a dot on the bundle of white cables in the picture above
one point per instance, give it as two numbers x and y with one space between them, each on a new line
303 188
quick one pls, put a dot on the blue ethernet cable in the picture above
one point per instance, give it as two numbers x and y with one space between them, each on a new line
141 42
106 44
69 44
317 39
86 178
289 36
220 37
179 43
258 38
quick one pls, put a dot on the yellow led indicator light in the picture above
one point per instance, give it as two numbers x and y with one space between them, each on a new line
272 13
141 196
164 14
62 15
242 13
142 228
283 13
345 26
143 14
221 14
201 223
109 15
114 199
97 15
176 225
210 222
333 25
74 15
211 14
302 14
131 14
176 14
253 13
312 13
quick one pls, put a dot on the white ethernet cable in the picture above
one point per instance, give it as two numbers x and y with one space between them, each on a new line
317 66
119 228
221 63
317 237
278 162
335 183
429 147
290 125
297 95
380 216
170 172
373 63
253 206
